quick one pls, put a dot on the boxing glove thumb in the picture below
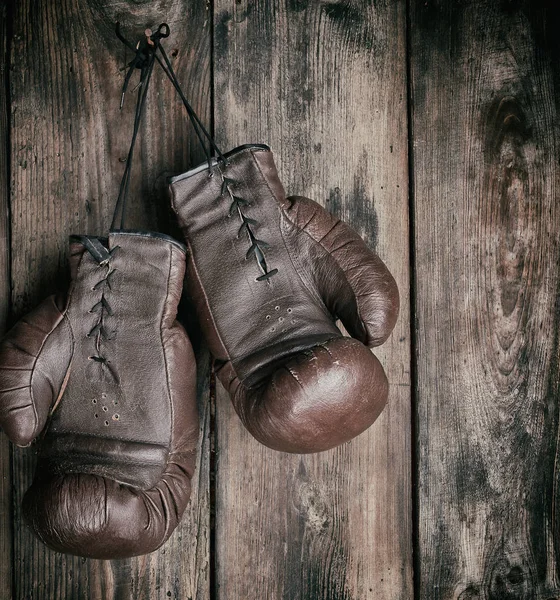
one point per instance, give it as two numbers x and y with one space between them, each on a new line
35 359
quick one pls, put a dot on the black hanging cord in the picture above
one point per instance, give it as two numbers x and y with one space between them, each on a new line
194 118
145 54
144 59
192 115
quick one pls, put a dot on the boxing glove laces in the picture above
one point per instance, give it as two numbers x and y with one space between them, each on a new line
105 376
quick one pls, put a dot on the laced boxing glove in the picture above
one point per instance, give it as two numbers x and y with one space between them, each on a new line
269 275
108 375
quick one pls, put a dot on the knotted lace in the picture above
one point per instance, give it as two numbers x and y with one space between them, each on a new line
257 246
102 307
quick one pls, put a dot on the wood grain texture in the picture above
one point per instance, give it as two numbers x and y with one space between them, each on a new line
486 97
324 84
67 145
5 476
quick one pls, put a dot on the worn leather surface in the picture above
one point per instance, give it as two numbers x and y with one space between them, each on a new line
296 382
107 376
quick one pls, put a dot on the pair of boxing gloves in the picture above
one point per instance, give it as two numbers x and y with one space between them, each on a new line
105 375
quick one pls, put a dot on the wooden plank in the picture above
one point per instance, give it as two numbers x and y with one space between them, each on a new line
68 143
5 478
486 90
325 85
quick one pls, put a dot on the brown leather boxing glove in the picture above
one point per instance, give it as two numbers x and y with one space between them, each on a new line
269 276
106 376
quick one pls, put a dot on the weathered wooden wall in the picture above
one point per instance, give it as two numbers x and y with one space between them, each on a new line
5 475
485 82
441 113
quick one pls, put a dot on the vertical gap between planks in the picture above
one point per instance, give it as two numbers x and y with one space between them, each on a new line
212 480
211 11
8 34
213 475
412 258
8 31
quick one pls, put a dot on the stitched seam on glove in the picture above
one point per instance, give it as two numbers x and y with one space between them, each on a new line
100 458
58 398
211 314
190 257
34 370
281 210
264 178
165 359
305 232
166 532
104 437
307 285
